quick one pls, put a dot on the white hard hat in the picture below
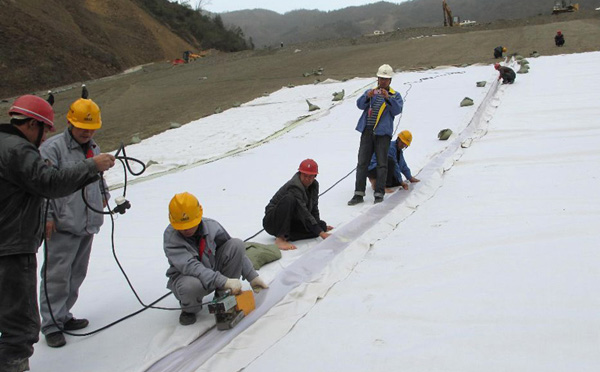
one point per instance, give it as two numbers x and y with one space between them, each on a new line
385 71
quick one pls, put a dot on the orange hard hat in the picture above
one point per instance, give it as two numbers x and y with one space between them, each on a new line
309 166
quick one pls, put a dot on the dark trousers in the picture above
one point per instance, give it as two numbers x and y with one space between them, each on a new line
369 144
391 179
19 314
282 221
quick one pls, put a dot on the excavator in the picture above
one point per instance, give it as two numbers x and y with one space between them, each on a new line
448 20
561 6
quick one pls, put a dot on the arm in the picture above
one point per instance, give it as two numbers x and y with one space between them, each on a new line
363 101
395 103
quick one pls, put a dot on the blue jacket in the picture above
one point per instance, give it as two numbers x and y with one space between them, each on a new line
384 126
400 166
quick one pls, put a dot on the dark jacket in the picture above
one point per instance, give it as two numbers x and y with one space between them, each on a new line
559 40
308 201
25 180
507 74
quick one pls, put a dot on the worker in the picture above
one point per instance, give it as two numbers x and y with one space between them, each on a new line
202 257
498 51
507 74
559 38
396 164
25 180
380 106
293 212
70 225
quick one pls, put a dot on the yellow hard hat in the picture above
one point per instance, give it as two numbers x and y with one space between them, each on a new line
185 211
85 114
504 49
406 137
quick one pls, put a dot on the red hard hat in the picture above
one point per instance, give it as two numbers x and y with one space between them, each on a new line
559 32
309 166
35 108
497 66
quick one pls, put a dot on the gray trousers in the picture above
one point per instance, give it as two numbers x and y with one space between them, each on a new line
228 261
19 316
369 144
66 268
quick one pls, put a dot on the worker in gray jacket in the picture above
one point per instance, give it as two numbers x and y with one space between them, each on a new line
293 212
25 180
70 225
203 257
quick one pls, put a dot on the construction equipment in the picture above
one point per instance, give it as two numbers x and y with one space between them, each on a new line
229 310
561 6
448 20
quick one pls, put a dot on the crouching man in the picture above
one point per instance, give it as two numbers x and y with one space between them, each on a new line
202 257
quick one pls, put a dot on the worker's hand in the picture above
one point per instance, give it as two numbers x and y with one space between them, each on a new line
257 284
50 228
414 180
329 228
384 93
324 235
104 162
404 185
371 93
233 285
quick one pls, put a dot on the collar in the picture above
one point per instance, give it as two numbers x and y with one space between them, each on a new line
11 129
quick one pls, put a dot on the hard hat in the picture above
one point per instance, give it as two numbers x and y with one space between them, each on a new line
35 108
85 114
406 137
497 66
504 49
559 32
185 211
385 71
309 166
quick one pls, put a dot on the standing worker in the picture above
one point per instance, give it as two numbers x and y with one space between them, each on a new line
380 106
25 180
507 74
498 51
203 258
293 212
396 164
559 38
71 225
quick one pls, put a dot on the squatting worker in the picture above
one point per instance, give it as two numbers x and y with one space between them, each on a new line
293 212
70 225
507 74
202 257
380 107
25 180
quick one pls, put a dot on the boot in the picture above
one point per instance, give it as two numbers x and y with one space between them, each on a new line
356 199
55 339
187 318
378 199
75 324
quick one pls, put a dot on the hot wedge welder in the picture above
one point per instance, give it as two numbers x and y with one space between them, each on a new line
229 310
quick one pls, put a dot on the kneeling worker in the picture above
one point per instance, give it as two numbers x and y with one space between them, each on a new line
396 164
293 212
202 257
507 74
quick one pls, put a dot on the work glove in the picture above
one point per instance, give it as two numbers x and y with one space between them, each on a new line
233 285
257 284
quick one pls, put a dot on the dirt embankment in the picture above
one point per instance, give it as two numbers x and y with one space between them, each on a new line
145 102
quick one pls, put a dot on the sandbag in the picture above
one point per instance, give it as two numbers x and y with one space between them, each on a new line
261 254
466 102
444 134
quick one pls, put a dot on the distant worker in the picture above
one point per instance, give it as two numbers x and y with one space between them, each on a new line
25 180
376 124
186 56
559 38
293 212
202 257
396 164
507 74
498 51
71 225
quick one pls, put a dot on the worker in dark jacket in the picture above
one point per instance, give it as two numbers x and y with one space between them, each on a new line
559 38
498 51
293 212
25 180
507 74
396 164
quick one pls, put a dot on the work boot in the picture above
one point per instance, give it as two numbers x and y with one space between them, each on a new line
356 199
17 365
378 199
75 324
187 318
56 339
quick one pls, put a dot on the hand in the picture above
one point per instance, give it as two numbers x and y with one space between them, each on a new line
414 180
404 185
324 235
371 93
257 284
50 228
233 285
329 228
104 162
384 93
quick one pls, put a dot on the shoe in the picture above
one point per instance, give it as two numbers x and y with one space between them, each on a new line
75 324
378 199
56 339
356 199
17 365
187 318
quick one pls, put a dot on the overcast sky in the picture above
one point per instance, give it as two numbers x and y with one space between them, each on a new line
220 6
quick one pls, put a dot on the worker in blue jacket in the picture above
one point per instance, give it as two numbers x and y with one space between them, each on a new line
380 107
396 164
